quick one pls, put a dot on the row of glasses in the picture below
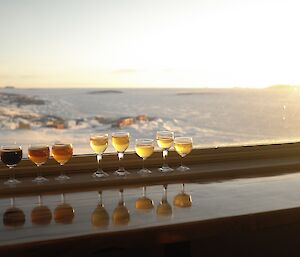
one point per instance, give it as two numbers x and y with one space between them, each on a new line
38 154
99 143
144 148
62 153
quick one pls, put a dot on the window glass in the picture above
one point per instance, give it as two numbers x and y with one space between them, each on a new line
222 72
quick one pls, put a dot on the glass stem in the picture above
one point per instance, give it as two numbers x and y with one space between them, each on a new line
120 156
11 174
99 160
165 154
61 170
121 197
40 200
182 188
144 191
165 193
38 170
12 202
62 197
181 160
143 163
100 198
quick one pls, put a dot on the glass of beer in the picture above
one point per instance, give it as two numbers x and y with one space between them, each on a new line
120 141
99 143
165 142
144 148
62 153
39 154
183 146
11 156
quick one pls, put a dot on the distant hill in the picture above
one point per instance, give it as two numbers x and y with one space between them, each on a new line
282 86
98 92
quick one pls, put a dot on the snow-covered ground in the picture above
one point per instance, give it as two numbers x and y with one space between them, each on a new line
213 117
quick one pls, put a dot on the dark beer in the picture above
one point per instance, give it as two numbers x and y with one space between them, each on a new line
11 156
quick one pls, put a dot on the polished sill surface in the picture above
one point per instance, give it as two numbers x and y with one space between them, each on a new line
210 201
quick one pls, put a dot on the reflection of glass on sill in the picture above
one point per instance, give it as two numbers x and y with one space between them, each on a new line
164 208
41 214
13 216
121 214
100 216
143 202
64 212
182 199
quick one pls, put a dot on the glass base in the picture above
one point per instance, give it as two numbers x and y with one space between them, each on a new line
121 172
183 168
40 180
12 182
62 177
165 168
100 174
144 171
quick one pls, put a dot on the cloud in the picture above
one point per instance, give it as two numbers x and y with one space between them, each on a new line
124 71
21 76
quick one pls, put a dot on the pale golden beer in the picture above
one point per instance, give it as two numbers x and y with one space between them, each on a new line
143 150
165 141
99 143
183 146
120 142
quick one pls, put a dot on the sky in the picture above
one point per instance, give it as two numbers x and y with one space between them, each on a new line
149 43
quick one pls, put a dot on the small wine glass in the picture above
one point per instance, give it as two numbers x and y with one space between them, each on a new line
11 155
183 146
99 143
121 215
182 200
64 213
164 208
13 216
165 142
120 141
39 154
100 216
62 153
41 214
144 202
144 148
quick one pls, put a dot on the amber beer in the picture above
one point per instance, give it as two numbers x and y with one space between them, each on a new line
62 153
39 154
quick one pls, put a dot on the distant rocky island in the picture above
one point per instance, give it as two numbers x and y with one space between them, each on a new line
109 91
196 93
19 100
283 87
14 115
